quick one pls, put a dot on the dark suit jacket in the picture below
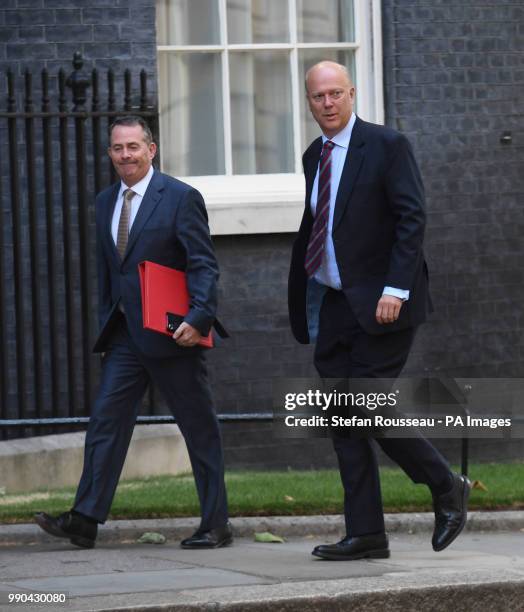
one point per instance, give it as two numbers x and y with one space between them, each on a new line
378 229
170 229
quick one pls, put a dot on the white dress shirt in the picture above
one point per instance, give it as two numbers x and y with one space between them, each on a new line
140 190
328 273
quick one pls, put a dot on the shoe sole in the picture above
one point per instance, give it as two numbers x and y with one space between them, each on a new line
465 498
223 544
381 553
82 542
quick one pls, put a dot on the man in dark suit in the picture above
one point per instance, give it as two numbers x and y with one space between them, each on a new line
148 215
358 287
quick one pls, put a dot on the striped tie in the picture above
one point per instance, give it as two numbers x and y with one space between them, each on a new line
123 223
317 240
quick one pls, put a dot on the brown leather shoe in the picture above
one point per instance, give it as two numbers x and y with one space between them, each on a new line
75 527
214 538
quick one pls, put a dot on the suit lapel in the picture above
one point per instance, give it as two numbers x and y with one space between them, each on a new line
310 168
310 171
149 202
352 165
106 230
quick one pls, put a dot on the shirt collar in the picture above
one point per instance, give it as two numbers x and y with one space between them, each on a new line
344 136
141 186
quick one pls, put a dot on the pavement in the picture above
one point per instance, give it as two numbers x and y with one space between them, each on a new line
483 570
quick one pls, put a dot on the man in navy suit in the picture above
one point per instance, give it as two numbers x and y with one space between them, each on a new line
358 288
150 216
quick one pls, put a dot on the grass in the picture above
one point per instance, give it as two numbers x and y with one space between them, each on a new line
272 493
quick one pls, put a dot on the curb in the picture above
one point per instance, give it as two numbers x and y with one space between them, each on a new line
497 591
332 525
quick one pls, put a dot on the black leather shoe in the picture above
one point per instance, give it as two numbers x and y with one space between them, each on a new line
76 528
373 546
451 511
214 538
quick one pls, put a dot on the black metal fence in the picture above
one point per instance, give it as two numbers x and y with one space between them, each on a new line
52 163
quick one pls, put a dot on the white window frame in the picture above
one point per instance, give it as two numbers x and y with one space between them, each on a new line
272 203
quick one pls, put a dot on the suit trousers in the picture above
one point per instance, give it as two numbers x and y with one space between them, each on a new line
183 383
345 351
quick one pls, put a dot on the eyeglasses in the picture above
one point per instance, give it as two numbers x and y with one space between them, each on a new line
336 94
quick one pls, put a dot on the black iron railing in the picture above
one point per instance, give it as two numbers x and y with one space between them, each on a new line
52 163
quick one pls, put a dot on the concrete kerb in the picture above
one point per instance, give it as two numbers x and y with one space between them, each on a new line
486 591
332 525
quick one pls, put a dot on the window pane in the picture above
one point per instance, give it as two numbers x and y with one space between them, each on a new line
192 137
187 22
257 21
325 21
307 58
261 119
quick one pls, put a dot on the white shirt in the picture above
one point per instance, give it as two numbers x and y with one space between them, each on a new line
140 190
328 273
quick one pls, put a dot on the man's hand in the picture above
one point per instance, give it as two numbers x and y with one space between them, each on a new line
186 335
388 309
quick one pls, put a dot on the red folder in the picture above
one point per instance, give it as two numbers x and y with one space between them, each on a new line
164 290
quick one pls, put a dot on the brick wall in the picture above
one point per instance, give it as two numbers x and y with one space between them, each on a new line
454 80
253 306
114 34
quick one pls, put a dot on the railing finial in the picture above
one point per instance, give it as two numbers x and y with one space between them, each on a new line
78 82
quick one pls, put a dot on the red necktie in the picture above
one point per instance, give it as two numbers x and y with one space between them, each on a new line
317 240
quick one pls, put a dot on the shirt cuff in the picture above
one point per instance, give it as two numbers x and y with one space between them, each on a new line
402 294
